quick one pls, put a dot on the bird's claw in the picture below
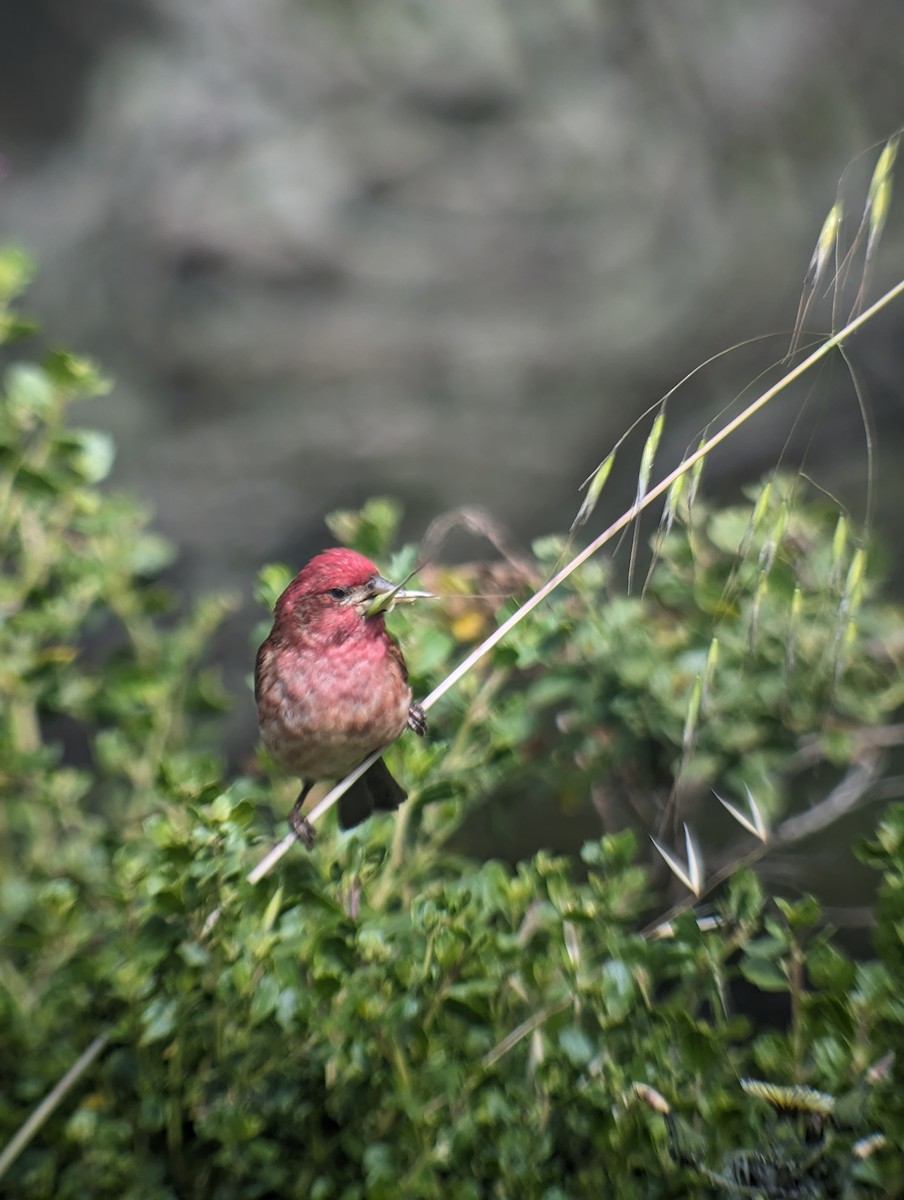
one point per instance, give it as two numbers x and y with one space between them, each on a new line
417 720
301 827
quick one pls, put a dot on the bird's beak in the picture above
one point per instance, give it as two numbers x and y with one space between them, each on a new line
386 594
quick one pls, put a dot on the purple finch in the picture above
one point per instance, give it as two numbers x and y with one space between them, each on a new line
331 684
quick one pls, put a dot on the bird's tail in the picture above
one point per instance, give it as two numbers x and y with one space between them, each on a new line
376 789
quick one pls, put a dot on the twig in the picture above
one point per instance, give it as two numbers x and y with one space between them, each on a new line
881 737
282 848
521 1031
45 1109
841 800
29 1128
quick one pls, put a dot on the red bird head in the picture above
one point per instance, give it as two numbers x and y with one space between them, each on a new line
337 592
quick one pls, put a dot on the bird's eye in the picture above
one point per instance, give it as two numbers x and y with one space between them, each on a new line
338 593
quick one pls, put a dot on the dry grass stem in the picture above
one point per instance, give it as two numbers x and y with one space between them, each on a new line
692 465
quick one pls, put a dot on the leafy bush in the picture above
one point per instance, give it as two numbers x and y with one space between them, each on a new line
389 1016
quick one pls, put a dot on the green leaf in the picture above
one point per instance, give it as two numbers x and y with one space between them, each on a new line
76 375
16 272
94 453
578 1048
264 998
272 910
764 974
371 529
800 914
149 554
30 392
159 1020
272 581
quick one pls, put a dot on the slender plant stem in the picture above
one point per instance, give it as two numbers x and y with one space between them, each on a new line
824 348
263 868
50 1102
664 484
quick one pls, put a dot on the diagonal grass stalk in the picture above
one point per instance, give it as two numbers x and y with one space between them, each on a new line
644 501
693 464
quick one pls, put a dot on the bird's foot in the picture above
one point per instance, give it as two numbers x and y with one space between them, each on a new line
301 827
417 720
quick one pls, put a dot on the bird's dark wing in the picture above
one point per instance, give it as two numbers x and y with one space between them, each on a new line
395 653
260 665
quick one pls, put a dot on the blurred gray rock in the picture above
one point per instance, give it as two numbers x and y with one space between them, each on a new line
446 251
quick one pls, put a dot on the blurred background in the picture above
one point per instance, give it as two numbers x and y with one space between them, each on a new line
444 251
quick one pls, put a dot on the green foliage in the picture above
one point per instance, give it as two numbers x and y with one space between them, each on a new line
386 1016
755 661
747 643
804 1148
